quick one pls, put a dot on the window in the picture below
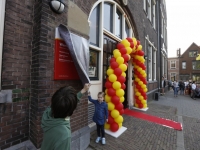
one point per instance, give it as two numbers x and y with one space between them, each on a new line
93 64
94 27
153 13
173 76
172 64
195 65
149 62
118 24
108 17
193 54
108 25
183 65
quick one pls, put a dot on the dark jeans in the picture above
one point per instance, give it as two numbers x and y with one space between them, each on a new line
100 129
193 93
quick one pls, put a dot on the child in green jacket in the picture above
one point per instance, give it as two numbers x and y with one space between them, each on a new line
56 121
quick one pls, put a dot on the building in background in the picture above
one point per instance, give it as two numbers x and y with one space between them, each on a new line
27 41
189 67
173 68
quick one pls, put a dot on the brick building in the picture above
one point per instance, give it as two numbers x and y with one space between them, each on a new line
27 36
173 68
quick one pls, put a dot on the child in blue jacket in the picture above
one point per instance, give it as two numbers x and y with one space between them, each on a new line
100 115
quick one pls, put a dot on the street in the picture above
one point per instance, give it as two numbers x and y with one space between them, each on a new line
145 135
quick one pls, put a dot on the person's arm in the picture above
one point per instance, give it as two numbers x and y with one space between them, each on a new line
90 98
106 112
84 90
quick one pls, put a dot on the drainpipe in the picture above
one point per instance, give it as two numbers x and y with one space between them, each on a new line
158 40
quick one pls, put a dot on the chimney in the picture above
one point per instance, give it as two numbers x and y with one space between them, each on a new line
178 52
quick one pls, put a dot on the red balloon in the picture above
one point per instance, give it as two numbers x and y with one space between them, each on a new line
123 51
119 106
121 111
140 105
114 65
112 60
131 44
126 57
121 79
123 86
110 119
141 53
111 92
118 71
115 99
114 127
138 101
129 39
108 84
119 46
138 42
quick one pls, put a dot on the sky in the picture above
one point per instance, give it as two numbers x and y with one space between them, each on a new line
183 24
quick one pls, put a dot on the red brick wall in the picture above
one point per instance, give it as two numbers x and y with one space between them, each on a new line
14 122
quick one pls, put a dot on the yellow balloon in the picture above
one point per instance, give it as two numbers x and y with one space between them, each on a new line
107 126
129 50
125 43
121 99
136 105
111 106
119 119
123 67
116 85
137 93
143 86
139 47
106 91
114 113
109 72
145 90
120 125
117 54
145 106
143 102
120 92
120 60
140 97
115 50
123 74
112 78
137 79
140 82
134 41
107 98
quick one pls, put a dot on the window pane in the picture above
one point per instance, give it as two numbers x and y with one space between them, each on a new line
183 65
93 65
126 33
118 24
94 27
108 17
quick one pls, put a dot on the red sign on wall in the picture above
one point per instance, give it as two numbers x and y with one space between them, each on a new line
64 68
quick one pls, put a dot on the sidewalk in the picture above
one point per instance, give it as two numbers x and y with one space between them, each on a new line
144 135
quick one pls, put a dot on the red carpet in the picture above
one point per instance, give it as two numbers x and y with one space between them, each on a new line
161 121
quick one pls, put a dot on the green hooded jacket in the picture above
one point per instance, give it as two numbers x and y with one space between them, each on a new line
57 131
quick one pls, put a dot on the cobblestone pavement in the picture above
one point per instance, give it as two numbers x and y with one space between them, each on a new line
145 135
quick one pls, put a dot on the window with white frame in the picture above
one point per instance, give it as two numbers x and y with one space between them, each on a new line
172 64
153 13
147 8
183 65
149 62
193 53
107 19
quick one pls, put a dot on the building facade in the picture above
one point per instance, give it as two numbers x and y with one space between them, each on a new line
189 67
173 68
27 41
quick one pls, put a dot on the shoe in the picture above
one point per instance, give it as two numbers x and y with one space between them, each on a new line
103 141
98 139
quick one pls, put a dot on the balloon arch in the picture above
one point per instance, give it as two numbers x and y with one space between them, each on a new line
126 49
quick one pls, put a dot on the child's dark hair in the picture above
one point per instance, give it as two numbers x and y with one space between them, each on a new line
101 93
64 102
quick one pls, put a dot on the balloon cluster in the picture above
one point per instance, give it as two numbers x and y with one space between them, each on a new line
140 82
115 82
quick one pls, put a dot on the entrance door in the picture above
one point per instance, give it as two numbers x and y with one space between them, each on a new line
108 46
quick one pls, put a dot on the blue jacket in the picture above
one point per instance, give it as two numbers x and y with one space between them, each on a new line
101 111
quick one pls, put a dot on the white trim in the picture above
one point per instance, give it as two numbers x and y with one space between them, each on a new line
2 19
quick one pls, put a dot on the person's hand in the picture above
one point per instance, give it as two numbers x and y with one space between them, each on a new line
106 120
85 88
